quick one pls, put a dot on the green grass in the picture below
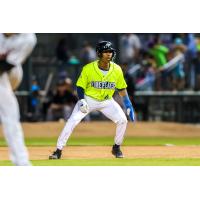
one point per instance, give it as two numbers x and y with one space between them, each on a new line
105 141
114 162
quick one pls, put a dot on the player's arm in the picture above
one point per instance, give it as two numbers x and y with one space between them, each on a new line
83 106
127 103
80 92
121 87
19 54
23 49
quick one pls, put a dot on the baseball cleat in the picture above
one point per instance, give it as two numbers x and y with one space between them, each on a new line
117 152
56 155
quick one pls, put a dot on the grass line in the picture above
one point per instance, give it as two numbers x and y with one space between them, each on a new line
108 141
114 162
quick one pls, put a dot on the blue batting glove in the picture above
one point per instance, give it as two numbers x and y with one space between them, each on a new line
129 108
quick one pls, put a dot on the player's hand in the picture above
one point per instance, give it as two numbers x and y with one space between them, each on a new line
83 106
129 108
131 113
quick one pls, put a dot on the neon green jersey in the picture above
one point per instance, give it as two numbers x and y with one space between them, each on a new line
100 86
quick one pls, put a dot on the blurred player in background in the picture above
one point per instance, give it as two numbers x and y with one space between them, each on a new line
14 50
95 87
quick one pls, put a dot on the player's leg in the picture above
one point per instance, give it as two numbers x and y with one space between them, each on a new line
9 112
15 76
113 111
72 122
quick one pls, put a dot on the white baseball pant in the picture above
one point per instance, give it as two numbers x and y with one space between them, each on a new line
110 108
16 48
10 118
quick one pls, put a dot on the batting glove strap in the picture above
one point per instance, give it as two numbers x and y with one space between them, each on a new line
129 108
83 106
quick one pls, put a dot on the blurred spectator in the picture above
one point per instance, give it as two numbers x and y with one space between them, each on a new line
34 113
69 62
62 75
129 80
198 66
62 52
178 74
73 67
140 107
73 60
69 85
63 56
159 51
198 44
166 38
62 102
146 76
88 53
129 45
191 58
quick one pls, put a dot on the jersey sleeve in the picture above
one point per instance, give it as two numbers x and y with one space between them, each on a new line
121 83
83 79
23 48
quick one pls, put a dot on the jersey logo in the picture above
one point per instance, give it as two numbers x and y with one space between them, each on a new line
107 46
103 85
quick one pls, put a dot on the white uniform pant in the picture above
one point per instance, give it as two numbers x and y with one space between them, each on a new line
10 118
110 108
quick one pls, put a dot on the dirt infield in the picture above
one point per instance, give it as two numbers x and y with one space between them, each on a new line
97 129
95 152
142 129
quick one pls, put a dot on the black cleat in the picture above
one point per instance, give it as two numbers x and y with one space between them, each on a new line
56 155
116 151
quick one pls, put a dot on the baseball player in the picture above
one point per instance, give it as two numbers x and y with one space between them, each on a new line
14 49
95 87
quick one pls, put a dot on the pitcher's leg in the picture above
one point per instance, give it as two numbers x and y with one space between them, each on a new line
74 120
114 112
15 76
15 140
9 110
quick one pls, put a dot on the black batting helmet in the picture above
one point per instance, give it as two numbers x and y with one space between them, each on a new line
105 46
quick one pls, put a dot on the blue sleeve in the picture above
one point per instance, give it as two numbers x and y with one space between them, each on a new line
80 92
128 105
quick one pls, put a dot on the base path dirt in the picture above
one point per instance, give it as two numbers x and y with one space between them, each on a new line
98 129
105 128
95 152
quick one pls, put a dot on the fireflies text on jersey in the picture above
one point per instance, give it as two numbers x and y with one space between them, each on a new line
103 85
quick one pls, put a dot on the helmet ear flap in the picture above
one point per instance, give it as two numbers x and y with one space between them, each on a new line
99 55
114 55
